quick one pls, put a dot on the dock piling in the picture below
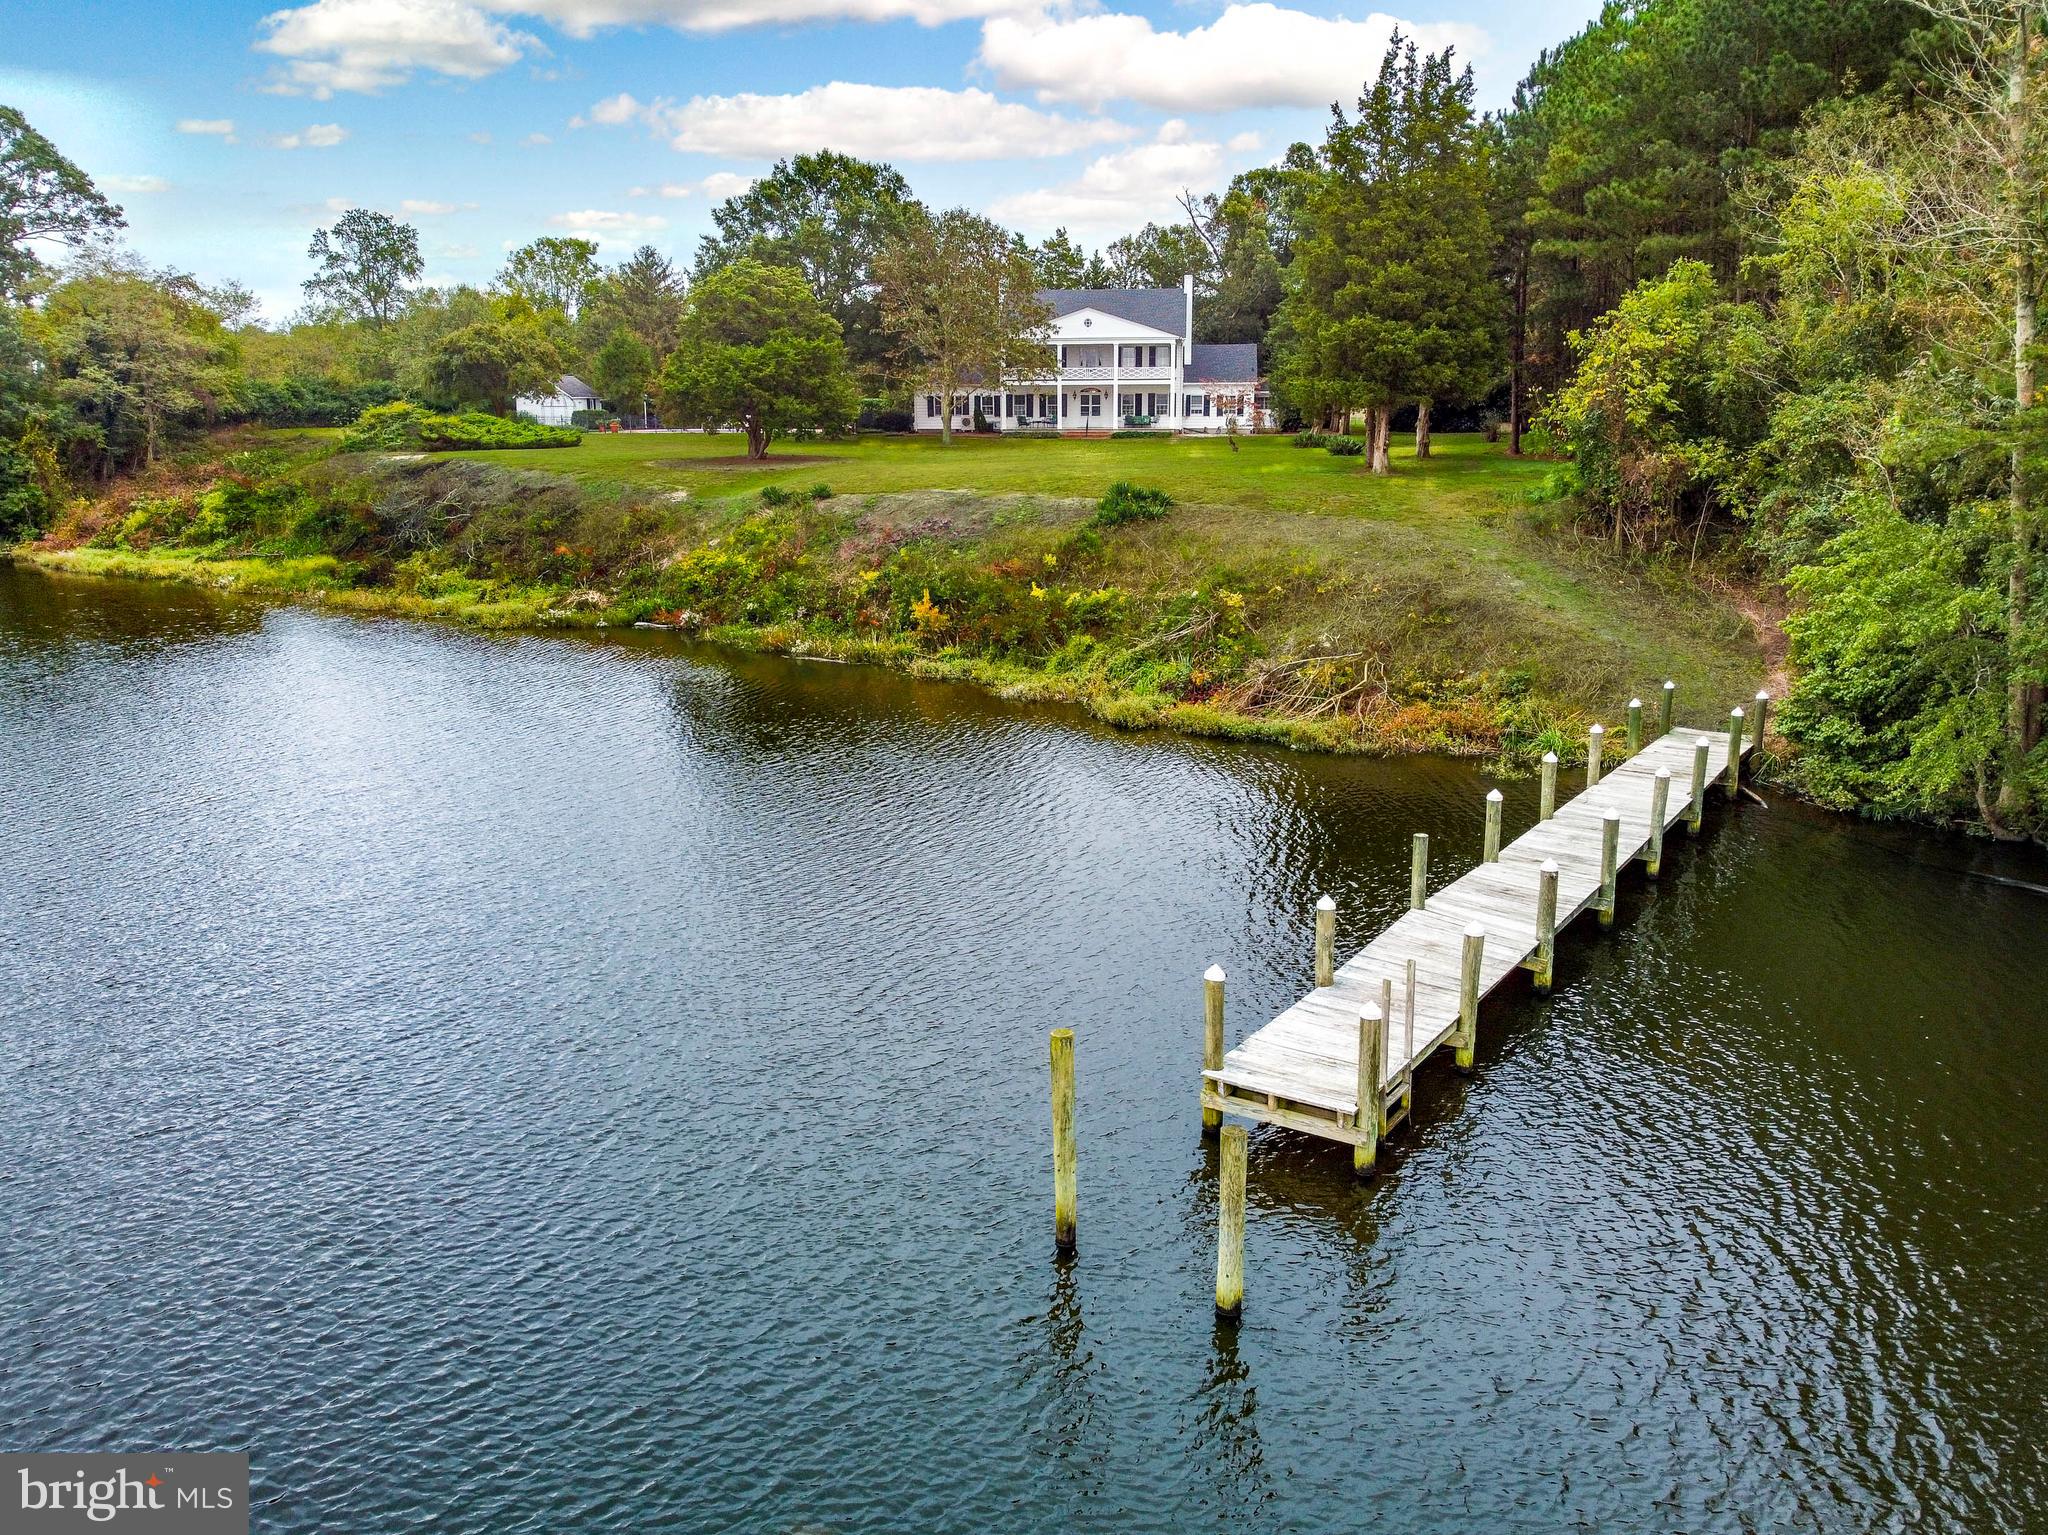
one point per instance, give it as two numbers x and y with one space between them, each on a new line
1763 713
1465 1042
1326 941
1372 1055
1230 1223
1635 726
1418 871
1063 1190
1696 812
1660 800
1408 1040
1494 802
1546 923
1595 739
1734 752
1610 846
1546 806
1664 709
1212 1039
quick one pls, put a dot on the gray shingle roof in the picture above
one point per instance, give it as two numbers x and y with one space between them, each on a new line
1160 308
574 387
1223 362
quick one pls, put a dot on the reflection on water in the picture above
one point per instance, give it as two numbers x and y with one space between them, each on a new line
513 1083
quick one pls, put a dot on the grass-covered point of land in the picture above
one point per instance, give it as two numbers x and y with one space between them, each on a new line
1268 591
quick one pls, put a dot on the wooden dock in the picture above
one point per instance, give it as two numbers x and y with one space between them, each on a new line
1307 1069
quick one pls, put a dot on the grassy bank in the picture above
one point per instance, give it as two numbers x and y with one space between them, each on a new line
1282 594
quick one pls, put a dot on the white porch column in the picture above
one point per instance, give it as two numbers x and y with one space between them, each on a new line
1116 356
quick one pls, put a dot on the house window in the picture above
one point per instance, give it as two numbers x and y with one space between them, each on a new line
1091 403
931 406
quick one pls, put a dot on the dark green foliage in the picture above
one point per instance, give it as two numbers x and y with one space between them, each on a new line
399 428
592 420
1311 439
1132 503
43 196
311 401
1345 447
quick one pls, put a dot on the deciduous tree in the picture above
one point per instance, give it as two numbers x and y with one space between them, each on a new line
756 348
43 196
960 301
367 263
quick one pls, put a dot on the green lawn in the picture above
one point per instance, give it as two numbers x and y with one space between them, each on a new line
1466 476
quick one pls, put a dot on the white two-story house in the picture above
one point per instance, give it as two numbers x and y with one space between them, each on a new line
1123 358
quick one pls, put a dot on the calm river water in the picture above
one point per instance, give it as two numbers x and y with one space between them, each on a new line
537 1084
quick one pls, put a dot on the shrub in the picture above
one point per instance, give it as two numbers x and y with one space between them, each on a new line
399 427
1133 432
593 420
820 492
777 495
1310 439
889 421
1345 447
1127 502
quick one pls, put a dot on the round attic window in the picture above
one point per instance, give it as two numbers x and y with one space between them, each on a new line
1086 323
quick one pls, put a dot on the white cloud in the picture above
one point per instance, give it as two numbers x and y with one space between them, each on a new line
314 136
720 185
885 122
428 207
535 140
598 223
455 253
370 45
1243 143
219 127
1252 55
580 18
134 185
1120 191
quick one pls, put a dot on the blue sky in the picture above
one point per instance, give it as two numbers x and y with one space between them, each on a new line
229 132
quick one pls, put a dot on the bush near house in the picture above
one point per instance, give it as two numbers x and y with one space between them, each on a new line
402 428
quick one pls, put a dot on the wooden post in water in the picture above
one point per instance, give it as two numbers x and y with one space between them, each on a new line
1696 812
1418 871
1063 1192
1546 806
1763 713
1610 847
1326 941
1660 801
1595 738
1493 809
1664 710
1387 1010
1734 751
1465 1042
1212 1039
1546 923
1408 1043
1635 726
1230 1223
1372 1058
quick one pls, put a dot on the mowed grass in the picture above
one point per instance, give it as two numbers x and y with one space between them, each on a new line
1465 476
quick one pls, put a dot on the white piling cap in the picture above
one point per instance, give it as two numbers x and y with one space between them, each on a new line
1735 713
1598 730
1612 815
1213 973
1669 685
1493 794
1549 866
1371 1014
1550 756
1475 930
1324 903
1635 703
1663 772
1762 696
